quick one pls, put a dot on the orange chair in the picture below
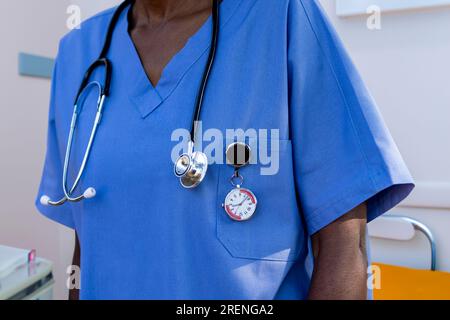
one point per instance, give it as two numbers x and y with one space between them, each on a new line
400 283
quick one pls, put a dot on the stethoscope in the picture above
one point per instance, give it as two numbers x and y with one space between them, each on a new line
190 168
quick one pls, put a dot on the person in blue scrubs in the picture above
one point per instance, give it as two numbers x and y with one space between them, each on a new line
279 65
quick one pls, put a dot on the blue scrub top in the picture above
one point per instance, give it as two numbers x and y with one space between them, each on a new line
279 65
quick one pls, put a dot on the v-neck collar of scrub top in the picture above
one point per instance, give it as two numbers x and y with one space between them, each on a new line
143 94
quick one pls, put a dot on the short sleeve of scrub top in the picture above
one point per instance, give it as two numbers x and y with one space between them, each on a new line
52 174
344 154
279 67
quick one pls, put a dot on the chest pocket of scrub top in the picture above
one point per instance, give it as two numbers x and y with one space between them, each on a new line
275 231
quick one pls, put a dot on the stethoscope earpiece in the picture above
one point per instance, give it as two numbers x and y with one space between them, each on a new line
89 193
45 200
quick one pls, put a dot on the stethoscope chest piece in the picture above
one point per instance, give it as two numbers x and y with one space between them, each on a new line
191 168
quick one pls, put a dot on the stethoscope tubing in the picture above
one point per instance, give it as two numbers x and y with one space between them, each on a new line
69 191
208 68
100 103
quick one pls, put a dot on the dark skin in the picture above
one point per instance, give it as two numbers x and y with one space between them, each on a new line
340 258
159 29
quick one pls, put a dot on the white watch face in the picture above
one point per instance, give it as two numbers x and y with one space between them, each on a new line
240 204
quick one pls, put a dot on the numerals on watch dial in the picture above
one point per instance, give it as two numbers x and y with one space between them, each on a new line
240 204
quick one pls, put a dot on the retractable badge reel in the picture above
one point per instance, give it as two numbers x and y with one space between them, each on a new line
240 203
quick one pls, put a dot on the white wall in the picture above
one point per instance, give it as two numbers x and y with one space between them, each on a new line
406 66
90 7
35 27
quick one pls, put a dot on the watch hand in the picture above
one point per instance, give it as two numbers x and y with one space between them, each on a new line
238 205
246 198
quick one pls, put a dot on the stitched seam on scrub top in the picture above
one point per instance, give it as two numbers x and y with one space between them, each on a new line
334 215
358 136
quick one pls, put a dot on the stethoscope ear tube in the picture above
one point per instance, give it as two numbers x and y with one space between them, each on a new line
103 93
112 24
107 83
102 59
89 192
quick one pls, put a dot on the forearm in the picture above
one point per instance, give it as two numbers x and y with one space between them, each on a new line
341 277
340 265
